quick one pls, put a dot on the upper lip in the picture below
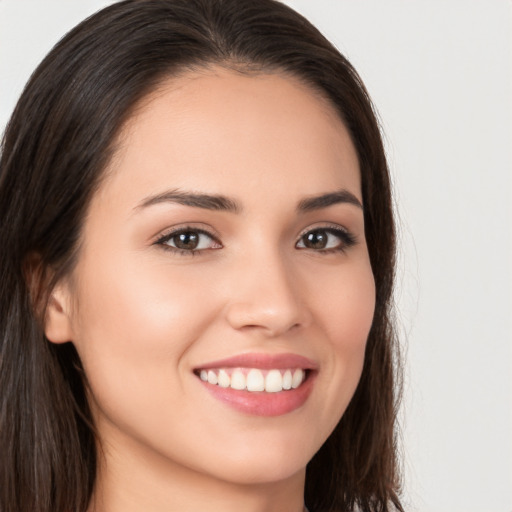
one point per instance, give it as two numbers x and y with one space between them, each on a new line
262 361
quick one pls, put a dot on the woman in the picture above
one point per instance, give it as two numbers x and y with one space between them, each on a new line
196 208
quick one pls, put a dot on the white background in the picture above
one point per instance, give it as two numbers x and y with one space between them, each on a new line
440 74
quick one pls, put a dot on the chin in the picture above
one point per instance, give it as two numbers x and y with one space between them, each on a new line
261 462
262 472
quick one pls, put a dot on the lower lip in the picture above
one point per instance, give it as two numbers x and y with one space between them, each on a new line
261 403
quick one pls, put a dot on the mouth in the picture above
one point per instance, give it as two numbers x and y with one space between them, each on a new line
260 384
255 380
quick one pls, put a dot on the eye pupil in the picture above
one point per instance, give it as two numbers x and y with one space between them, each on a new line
187 240
316 240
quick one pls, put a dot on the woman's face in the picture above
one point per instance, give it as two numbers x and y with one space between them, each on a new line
226 244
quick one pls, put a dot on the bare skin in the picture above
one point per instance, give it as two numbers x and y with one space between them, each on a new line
271 274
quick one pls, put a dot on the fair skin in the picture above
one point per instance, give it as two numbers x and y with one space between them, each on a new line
265 273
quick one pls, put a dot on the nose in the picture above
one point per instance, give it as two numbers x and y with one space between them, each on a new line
267 297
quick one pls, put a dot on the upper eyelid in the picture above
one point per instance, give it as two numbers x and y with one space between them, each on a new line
162 241
170 232
326 226
346 236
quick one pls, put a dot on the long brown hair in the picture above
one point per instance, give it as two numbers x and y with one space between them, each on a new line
56 146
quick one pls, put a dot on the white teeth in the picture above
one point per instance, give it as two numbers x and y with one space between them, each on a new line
287 380
273 381
212 377
238 380
255 380
223 379
298 377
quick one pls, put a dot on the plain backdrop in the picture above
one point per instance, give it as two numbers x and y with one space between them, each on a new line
440 76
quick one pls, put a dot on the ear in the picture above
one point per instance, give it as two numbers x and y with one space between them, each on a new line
54 311
57 321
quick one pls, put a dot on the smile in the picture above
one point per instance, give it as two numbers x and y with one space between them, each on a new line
260 384
255 379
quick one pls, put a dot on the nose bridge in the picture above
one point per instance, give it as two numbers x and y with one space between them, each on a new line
266 294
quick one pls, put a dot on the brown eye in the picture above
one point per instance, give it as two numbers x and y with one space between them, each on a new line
326 239
189 240
316 240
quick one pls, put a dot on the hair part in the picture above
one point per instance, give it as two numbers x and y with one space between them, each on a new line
55 150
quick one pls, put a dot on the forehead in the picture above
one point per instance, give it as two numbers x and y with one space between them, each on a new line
224 131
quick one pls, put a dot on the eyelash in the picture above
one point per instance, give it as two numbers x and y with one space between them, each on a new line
162 241
347 240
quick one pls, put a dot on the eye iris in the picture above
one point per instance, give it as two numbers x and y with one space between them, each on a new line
316 240
187 240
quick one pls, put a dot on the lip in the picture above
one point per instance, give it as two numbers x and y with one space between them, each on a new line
262 403
262 361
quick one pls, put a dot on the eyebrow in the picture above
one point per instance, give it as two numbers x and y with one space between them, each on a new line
206 201
326 200
223 203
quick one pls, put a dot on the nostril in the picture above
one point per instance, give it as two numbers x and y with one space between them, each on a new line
273 320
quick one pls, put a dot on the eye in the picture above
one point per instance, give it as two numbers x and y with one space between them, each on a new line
326 239
189 240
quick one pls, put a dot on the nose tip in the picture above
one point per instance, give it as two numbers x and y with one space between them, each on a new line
246 316
267 302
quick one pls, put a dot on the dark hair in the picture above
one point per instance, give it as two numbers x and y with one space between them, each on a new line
56 146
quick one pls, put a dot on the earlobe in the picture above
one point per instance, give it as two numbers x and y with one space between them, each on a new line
57 322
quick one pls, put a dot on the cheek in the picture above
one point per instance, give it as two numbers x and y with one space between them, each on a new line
134 326
346 307
345 311
140 307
